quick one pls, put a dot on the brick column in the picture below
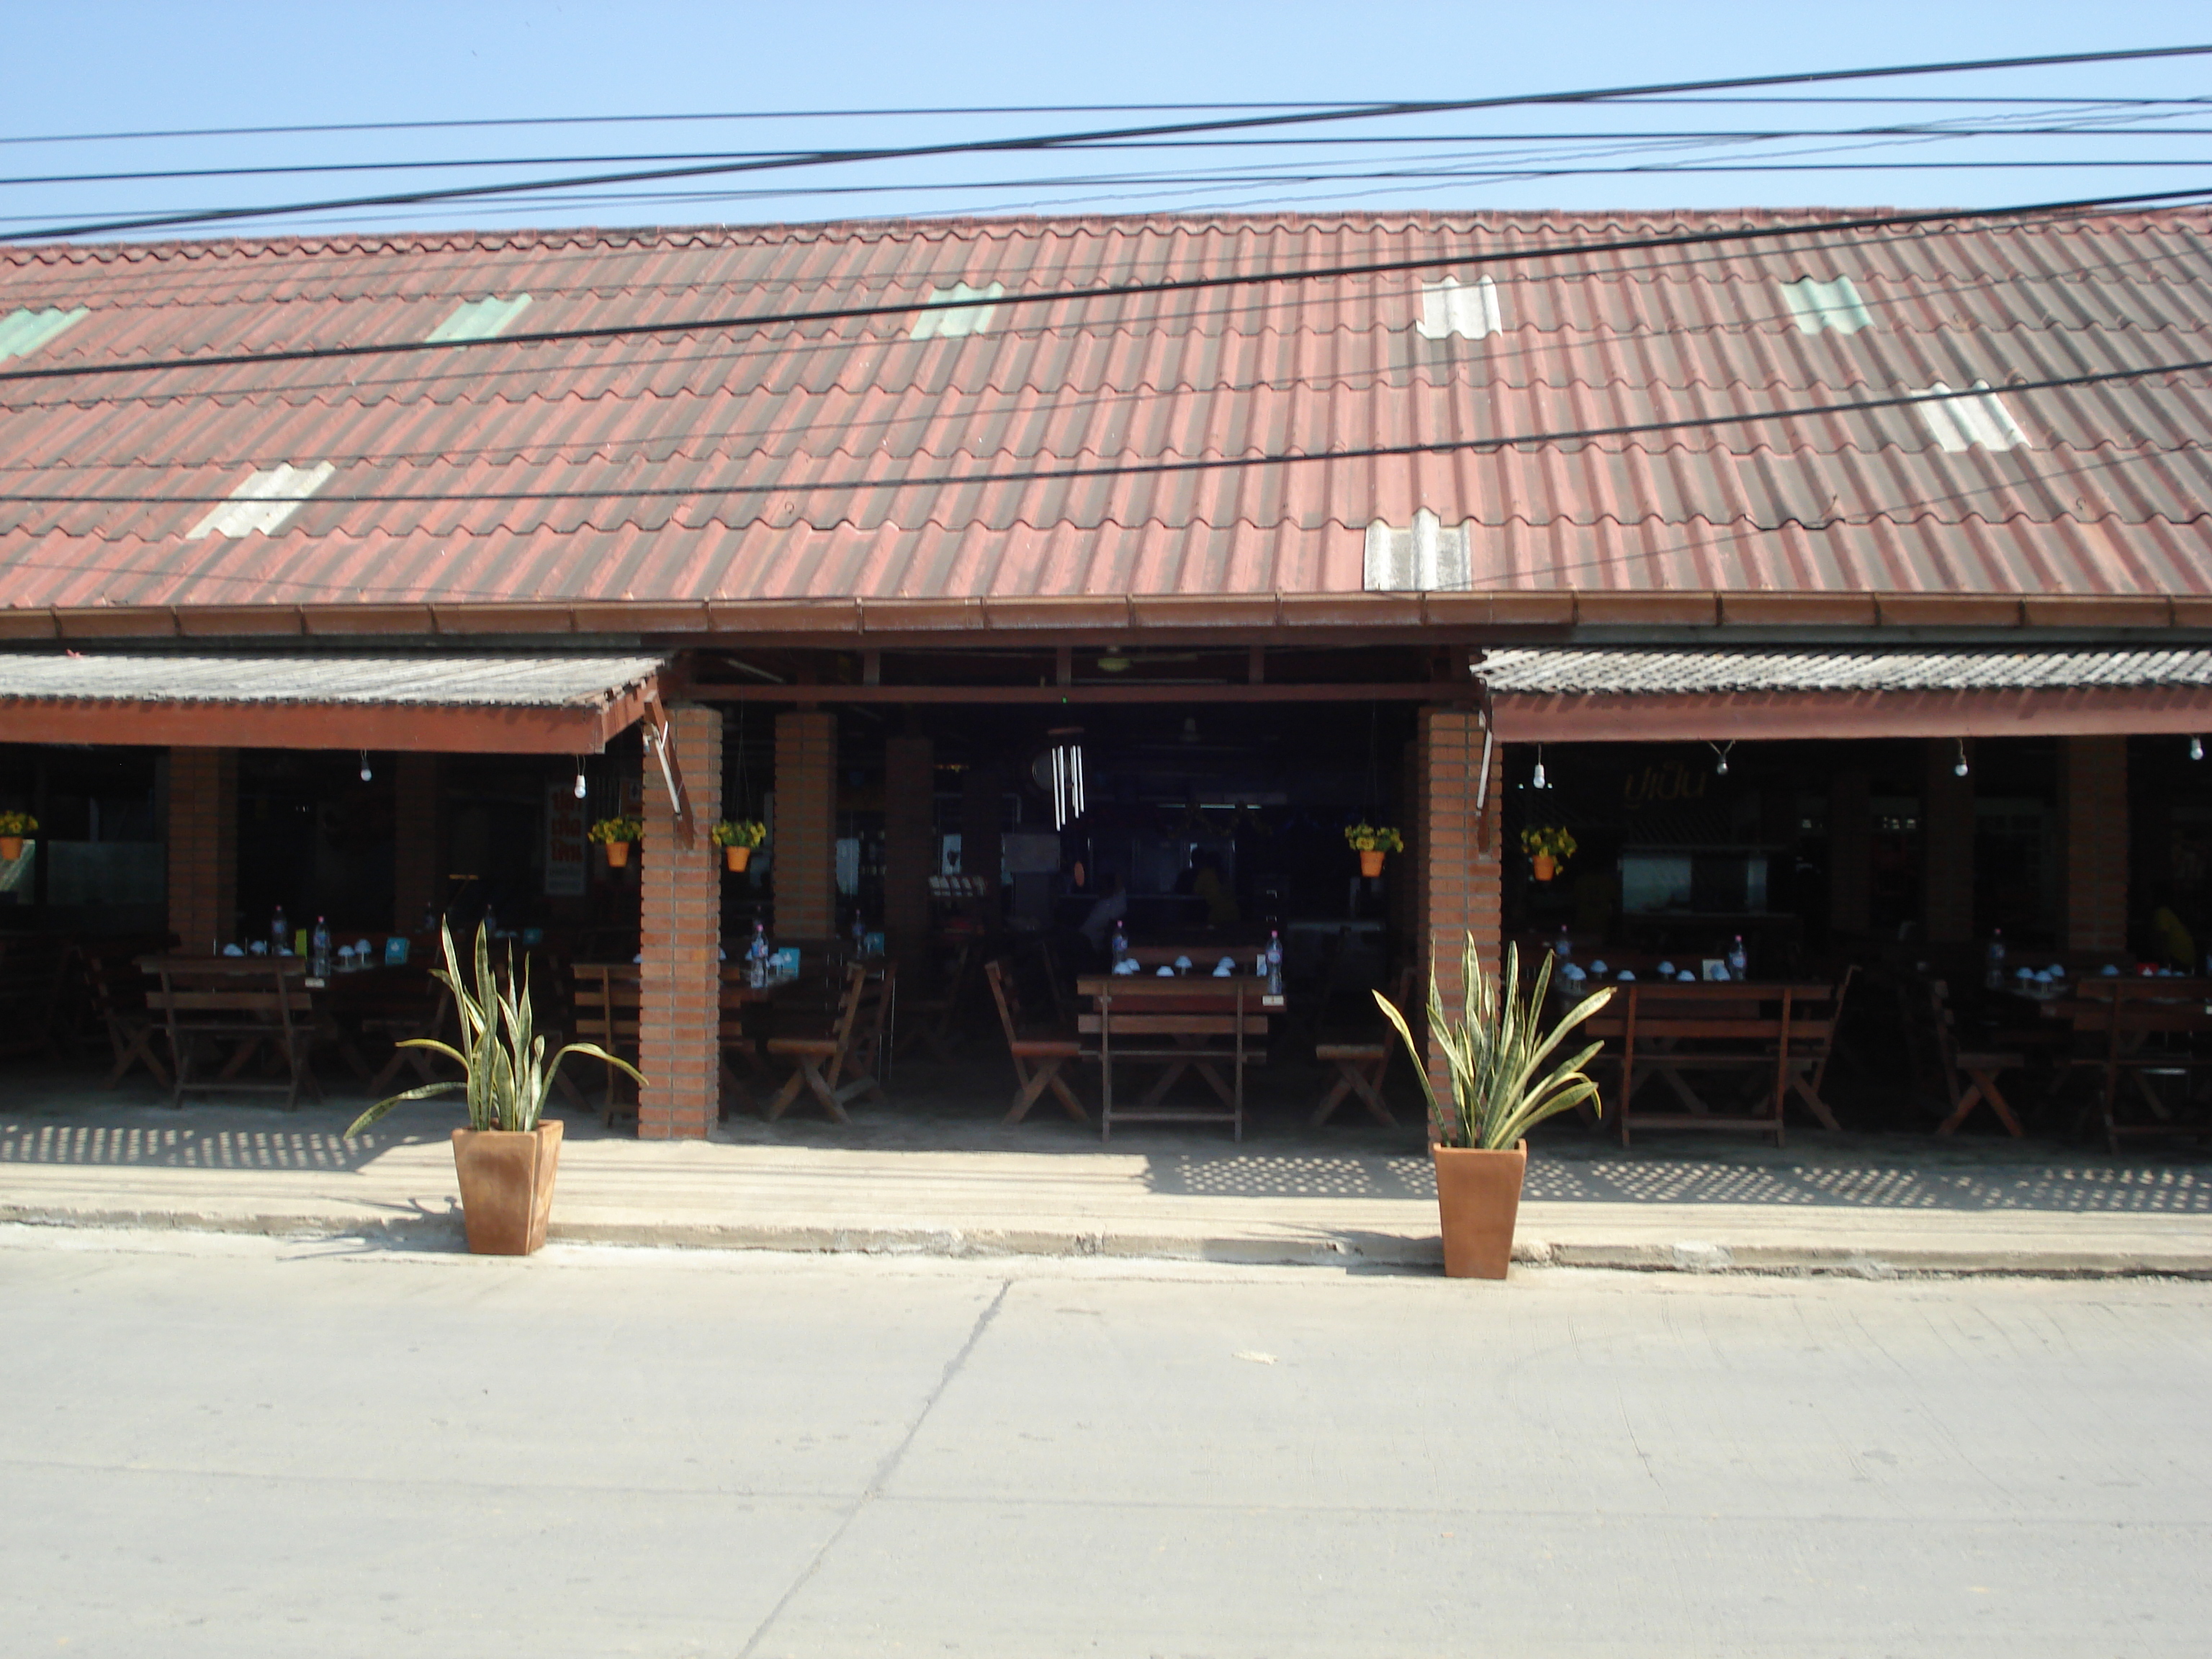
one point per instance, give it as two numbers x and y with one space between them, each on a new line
1850 855
806 825
415 882
203 847
1947 844
2093 804
909 844
1463 876
680 916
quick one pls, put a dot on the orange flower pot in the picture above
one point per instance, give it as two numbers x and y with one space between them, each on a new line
1477 1202
617 855
1547 866
736 857
1371 864
11 847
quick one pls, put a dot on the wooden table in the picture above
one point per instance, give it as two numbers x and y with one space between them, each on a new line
2141 1028
1183 1025
1748 1028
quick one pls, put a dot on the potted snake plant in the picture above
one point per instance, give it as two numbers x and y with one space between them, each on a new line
1497 1052
506 1157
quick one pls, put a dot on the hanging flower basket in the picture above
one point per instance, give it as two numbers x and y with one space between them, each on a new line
617 835
13 827
1371 844
1548 846
737 838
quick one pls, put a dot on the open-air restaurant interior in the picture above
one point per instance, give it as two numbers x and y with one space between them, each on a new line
1072 918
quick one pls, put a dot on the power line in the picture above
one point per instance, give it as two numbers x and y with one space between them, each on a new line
1104 291
1153 468
1732 135
407 198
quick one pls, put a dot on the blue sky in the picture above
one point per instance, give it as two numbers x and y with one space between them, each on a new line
104 67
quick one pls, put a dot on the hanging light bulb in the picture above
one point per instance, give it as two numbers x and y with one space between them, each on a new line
580 778
1721 755
2197 749
365 774
1536 779
1960 769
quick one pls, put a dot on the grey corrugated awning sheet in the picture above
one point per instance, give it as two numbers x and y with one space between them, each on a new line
1675 673
540 681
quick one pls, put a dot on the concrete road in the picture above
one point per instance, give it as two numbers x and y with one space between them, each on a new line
220 1446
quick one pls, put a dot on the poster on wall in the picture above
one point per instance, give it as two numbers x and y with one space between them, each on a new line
565 846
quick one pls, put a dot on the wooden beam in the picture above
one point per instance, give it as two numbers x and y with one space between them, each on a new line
405 727
1752 716
1393 691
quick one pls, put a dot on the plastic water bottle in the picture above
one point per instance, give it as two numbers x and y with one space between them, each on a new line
1121 944
1993 962
319 950
859 933
757 958
280 934
1563 947
1739 964
1274 963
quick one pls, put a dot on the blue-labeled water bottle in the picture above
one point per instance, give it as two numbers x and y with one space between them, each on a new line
1275 963
1739 964
1121 944
757 958
280 934
319 950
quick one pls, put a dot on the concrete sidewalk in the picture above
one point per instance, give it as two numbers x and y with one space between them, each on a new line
1866 1203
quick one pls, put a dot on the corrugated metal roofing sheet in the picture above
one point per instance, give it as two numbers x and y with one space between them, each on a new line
421 681
1661 673
765 431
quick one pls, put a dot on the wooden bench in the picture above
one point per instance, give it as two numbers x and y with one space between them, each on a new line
1770 1033
2137 1030
1182 1025
247 1002
1038 1056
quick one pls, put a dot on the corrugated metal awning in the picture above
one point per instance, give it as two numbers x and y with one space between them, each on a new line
541 703
1600 696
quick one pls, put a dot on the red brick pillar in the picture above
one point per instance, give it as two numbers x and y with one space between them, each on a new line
680 907
415 883
1463 876
1947 844
1850 855
806 824
203 847
909 844
2092 795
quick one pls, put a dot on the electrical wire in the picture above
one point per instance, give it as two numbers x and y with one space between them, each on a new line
1103 291
1050 141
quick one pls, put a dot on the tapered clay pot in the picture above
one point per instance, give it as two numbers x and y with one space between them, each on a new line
1546 866
1371 864
11 847
507 1186
1478 1199
736 857
617 855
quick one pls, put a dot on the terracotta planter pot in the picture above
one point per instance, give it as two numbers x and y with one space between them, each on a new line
1371 864
1547 866
736 857
11 847
507 1186
617 855
1478 1199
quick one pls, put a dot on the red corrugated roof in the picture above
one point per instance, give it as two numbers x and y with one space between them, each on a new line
2108 499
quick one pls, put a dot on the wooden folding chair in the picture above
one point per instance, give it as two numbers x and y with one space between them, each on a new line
1038 1057
1361 1067
131 1032
822 1061
604 1006
1982 1070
